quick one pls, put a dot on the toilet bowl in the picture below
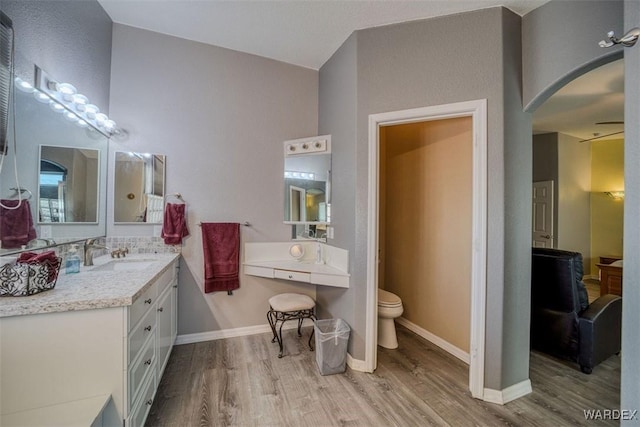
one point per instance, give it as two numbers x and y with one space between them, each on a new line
389 307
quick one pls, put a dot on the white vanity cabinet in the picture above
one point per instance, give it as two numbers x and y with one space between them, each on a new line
52 359
152 324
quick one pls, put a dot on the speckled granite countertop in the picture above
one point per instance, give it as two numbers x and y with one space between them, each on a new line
93 287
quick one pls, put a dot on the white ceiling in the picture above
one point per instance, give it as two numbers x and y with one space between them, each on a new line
597 96
300 32
308 32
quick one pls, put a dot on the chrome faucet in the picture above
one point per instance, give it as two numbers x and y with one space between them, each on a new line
90 246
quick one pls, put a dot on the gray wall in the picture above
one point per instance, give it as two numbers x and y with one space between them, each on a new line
574 189
338 98
545 168
71 40
560 43
220 117
424 63
546 71
630 375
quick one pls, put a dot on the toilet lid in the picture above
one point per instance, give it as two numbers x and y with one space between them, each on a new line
387 299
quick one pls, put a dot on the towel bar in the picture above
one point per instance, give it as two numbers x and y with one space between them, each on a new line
246 224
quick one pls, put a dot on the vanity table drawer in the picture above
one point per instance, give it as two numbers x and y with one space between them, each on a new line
143 365
142 304
141 333
292 275
252 270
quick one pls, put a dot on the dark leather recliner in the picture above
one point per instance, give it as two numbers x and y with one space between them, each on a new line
562 321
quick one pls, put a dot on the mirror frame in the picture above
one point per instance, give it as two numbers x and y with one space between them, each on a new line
98 171
305 147
115 201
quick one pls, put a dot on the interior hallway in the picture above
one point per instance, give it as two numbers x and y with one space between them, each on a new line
240 381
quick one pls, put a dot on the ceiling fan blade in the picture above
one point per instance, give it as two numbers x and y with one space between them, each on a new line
611 123
601 136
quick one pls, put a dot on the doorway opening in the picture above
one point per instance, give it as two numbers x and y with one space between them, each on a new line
475 111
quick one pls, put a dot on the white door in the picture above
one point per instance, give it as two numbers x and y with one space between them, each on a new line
543 214
297 203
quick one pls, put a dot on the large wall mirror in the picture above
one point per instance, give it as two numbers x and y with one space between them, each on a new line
68 185
46 135
139 188
307 181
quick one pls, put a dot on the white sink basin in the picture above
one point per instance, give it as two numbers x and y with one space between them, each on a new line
124 265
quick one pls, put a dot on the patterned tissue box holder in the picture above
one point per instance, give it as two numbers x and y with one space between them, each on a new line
24 279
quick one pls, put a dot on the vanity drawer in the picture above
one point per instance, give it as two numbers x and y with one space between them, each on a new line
258 271
143 365
139 413
143 303
167 279
292 275
140 334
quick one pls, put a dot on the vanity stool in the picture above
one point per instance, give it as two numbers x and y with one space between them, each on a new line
283 307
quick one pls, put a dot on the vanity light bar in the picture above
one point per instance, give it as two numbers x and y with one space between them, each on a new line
300 175
305 147
76 106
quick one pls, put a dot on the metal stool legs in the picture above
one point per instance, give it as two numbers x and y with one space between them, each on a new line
282 316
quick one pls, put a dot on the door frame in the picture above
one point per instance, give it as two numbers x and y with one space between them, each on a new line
477 110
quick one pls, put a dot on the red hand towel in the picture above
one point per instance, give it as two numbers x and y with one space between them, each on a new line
174 226
16 225
221 244
49 258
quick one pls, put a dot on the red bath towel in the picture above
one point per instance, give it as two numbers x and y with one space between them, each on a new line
174 226
221 244
16 225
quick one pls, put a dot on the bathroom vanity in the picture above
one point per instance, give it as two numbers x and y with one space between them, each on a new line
92 350
274 261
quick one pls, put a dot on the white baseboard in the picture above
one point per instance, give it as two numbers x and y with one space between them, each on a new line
445 345
508 394
229 333
356 364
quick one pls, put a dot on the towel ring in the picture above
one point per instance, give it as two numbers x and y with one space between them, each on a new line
17 190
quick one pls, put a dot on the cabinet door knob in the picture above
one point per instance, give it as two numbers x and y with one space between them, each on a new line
147 362
150 402
147 301
291 276
161 309
147 328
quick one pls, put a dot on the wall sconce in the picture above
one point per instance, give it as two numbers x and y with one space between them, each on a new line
64 98
615 195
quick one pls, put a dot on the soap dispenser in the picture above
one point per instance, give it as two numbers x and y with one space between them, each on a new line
72 264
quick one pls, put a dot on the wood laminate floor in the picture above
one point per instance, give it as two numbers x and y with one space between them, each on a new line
241 382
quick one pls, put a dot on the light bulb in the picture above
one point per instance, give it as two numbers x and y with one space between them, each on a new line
109 126
82 123
56 107
80 101
101 118
41 97
67 90
70 116
91 111
23 85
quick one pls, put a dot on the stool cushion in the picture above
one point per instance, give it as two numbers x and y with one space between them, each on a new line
291 302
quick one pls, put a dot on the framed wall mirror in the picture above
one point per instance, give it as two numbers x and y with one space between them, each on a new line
68 185
139 188
307 180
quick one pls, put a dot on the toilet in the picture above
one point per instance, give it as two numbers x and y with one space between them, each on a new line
389 307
